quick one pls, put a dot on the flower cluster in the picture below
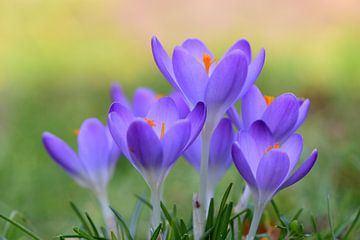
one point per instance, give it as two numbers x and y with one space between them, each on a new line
197 121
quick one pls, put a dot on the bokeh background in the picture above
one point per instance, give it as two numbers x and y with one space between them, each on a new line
58 59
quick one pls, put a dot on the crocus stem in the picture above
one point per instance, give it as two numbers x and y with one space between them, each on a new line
156 209
108 215
259 208
243 201
203 195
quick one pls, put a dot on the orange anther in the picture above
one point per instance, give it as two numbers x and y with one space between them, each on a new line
162 131
76 132
276 146
207 62
150 122
269 99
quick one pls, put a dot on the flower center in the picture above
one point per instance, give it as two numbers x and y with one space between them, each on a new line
276 146
76 132
269 99
207 62
150 122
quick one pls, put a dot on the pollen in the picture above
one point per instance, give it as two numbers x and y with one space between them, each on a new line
275 146
76 132
269 99
162 131
207 62
150 122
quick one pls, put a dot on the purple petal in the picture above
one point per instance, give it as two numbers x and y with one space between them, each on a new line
303 112
242 45
262 136
249 149
271 173
242 165
197 119
293 148
220 150
196 48
181 105
175 141
144 146
114 151
163 62
234 116
117 95
190 74
253 106
163 113
226 83
281 115
193 154
93 144
143 99
119 120
254 71
62 154
301 171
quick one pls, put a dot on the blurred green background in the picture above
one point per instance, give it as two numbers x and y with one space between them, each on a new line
58 59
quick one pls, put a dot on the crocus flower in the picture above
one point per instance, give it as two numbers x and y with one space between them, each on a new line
142 100
154 143
219 155
283 114
194 72
266 165
93 166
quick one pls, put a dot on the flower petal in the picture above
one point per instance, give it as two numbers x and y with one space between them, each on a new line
242 45
254 71
181 105
144 147
196 48
303 112
119 120
190 74
293 147
271 173
253 106
175 141
164 113
62 154
193 153
281 115
93 144
143 99
220 150
262 136
234 116
197 119
117 95
163 62
242 165
301 171
225 83
249 149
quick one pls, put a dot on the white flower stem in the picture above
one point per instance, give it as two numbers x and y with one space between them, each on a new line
156 211
259 208
108 215
243 201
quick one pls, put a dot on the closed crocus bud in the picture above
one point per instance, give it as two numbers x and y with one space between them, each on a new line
155 142
93 165
267 166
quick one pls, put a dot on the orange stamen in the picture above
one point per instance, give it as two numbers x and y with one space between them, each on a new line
207 62
276 146
162 131
158 96
269 99
150 122
76 132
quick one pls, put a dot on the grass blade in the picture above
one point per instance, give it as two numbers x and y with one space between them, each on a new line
352 224
122 223
20 227
329 219
80 216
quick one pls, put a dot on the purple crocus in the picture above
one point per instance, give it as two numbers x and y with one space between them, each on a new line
267 166
154 143
219 155
142 100
194 72
94 164
283 114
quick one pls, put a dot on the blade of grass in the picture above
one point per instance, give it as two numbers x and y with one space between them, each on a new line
142 199
96 233
80 216
136 215
352 224
329 218
21 227
122 223
156 233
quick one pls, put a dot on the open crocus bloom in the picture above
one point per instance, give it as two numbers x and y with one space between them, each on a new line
155 142
219 154
283 114
93 166
142 100
194 72
266 165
